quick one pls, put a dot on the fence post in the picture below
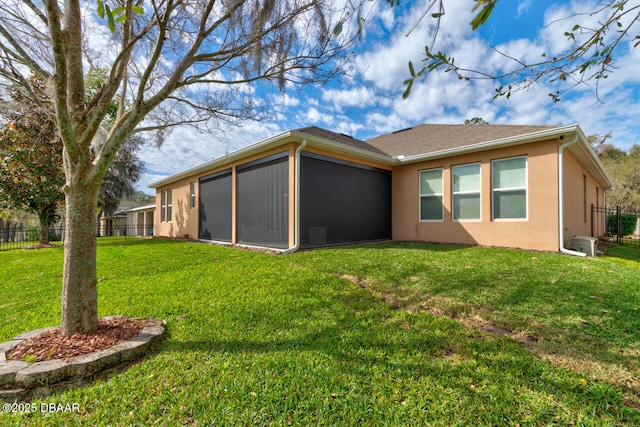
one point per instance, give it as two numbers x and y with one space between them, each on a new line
619 224
592 221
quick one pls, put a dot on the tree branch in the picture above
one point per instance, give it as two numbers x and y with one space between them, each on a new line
36 10
65 123
21 55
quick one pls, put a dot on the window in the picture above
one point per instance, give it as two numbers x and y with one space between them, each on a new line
163 206
509 188
466 191
169 205
193 195
431 207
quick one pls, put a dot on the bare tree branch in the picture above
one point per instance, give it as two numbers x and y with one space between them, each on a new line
590 58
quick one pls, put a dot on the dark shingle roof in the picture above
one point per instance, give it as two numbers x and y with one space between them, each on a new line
424 139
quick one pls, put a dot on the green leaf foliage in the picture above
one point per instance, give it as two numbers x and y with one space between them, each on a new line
624 169
409 84
31 175
100 8
412 71
484 14
117 15
110 21
628 224
337 30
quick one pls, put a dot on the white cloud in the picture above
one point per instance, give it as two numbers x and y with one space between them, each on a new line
289 101
385 62
185 148
524 7
510 56
369 102
355 97
314 117
381 123
562 17
348 127
613 115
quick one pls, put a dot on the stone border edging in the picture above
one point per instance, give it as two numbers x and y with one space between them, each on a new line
19 379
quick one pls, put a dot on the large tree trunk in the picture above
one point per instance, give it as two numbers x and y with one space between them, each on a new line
79 292
44 233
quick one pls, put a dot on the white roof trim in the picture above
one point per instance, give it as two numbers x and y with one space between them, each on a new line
339 148
585 153
142 208
273 142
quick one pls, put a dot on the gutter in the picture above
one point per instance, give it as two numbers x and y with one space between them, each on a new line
564 250
296 214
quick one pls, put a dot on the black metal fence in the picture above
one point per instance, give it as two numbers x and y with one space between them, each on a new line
616 224
14 237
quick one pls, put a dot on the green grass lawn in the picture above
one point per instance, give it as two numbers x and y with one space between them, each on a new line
386 334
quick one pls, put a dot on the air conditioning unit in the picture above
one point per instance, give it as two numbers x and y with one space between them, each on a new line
586 244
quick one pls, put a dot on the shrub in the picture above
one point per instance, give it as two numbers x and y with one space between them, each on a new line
33 234
628 223
55 234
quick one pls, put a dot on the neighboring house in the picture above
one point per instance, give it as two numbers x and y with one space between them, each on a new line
115 224
491 185
140 220
129 219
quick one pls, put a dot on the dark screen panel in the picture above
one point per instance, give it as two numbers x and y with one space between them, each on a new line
342 202
263 202
215 207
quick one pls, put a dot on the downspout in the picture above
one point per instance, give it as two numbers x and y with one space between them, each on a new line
296 202
564 250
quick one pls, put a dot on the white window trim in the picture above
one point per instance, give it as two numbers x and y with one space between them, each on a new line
420 195
479 192
192 195
525 188
169 214
163 206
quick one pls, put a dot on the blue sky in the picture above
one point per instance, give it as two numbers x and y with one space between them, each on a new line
368 101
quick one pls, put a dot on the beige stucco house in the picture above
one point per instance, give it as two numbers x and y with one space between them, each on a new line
493 185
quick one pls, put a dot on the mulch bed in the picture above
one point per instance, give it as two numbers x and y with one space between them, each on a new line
53 345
